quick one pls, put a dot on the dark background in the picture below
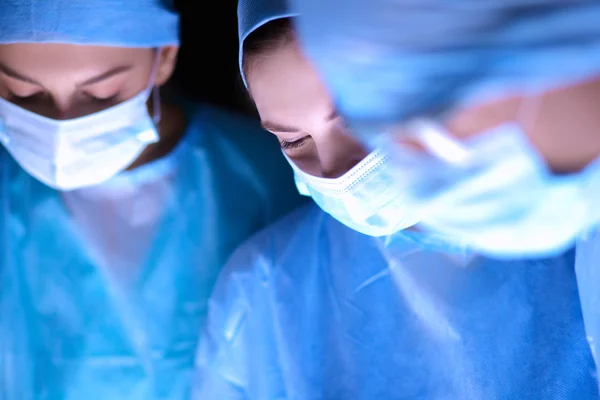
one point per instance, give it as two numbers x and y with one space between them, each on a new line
208 60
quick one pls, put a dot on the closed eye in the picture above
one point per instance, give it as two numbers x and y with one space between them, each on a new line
293 145
102 99
19 99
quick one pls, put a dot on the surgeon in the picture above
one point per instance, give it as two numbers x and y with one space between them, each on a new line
117 209
315 307
499 98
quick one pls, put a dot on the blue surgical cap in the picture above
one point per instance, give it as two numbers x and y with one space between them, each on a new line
389 60
252 14
118 23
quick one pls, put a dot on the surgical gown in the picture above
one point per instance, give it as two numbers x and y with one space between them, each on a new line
103 290
588 275
309 309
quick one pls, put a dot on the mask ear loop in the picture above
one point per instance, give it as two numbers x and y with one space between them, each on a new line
154 89
438 141
156 106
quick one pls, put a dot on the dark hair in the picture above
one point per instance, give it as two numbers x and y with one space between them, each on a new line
267 38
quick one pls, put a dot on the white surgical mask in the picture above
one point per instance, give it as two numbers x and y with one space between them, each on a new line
364 199
495 192
80 152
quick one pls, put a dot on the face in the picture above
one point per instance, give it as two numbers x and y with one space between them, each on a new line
562 124
294 105
64 81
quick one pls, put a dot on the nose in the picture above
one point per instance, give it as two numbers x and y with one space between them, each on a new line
61 100
63 108
54 108
340 155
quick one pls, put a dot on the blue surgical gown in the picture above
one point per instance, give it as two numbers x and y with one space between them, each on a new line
103 290
587 268
309 309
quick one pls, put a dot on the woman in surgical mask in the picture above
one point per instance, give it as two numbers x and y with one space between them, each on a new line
315 139
118 209
315 307
501 98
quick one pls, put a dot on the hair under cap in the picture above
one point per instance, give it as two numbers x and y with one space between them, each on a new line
119 23
252 14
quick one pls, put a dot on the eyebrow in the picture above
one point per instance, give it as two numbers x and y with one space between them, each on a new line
105 75
332 115
14 74
271 126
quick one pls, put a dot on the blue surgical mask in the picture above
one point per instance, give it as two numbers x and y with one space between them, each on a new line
364 198
85 151
495 192
72 154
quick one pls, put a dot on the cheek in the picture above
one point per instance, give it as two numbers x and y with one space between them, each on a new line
142 76
136 84
124 89
310 164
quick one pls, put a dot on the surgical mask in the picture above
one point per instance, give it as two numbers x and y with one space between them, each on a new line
494 191
364 199
86 151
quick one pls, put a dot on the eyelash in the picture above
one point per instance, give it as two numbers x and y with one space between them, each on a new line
14 97
106 100
293 145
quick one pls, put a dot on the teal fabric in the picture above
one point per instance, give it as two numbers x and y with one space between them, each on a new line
103 291
310 309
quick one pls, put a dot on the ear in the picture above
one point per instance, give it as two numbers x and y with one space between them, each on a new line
167 59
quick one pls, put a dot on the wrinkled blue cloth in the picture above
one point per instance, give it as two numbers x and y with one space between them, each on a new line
309 309
588 276
103 290
120 23
388 60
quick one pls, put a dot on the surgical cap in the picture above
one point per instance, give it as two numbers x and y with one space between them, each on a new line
388 60
118 23
252 14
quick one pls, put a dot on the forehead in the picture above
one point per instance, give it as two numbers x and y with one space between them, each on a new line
44 58
284 83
